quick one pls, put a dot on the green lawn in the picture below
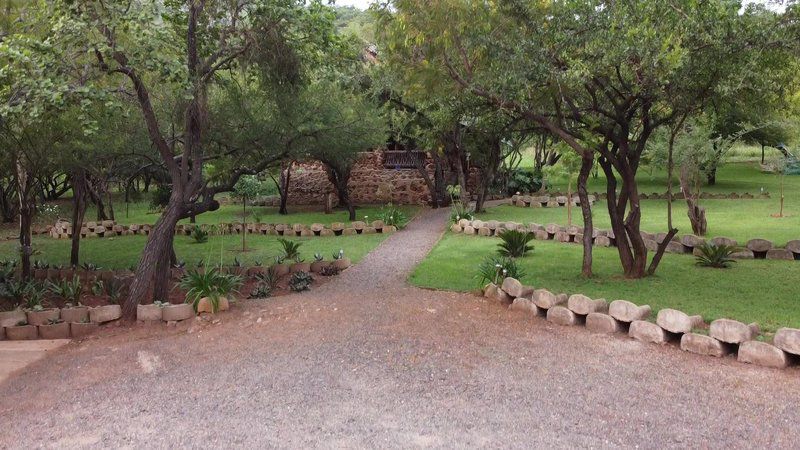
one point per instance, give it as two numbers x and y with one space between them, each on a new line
123 252
763 291
737 219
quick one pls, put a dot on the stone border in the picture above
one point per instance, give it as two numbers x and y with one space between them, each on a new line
63 230
725 337
558 199
686 244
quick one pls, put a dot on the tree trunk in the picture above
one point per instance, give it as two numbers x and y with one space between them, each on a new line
78 213
630 245
27 208
340 181
762 153
159 242
695 212
283 189
711 176
587 161
244 224
488 172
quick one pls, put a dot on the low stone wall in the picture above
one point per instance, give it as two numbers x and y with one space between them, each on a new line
557 199
63 230
725 336
686 244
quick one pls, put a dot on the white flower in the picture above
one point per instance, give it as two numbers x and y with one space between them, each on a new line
505 271
498 266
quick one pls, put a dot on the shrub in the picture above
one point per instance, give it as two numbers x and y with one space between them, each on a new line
494 268
291 250
515 243
210 284
329 271
718 256
458 211
300 281
199 235
522 180
390 215
69 290
160 197
113 289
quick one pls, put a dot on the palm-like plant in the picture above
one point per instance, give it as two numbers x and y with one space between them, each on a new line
515 243
291 249
69 290
210 284
199 234
494 269
718 256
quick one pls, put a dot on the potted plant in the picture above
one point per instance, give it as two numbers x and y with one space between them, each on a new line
299 265
207 292
54 329
78 313
22 331
339 261
319 263
279 267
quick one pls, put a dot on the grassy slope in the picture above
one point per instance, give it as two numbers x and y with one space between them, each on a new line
761 291
737 219
123 252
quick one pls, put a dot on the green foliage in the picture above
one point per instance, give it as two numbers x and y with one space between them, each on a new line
717 256
391 215
209 284
338 255
248 187
98 288
28 294
160 197
318 257
199 235
291 249
300 281
523 181
515 243
494 269
269 277
113 288
69 290
459 210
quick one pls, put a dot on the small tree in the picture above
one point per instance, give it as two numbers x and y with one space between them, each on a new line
568 166
247 188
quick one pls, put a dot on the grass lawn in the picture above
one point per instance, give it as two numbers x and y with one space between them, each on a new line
737 219
760 291
123 252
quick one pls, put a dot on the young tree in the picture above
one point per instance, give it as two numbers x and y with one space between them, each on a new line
247 188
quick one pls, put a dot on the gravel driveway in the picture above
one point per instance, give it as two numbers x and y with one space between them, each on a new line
367 361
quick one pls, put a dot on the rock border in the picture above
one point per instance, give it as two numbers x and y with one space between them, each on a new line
63 229
685 244
725 336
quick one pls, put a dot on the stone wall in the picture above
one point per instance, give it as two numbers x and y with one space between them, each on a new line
370 183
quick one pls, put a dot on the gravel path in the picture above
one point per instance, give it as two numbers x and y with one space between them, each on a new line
367 361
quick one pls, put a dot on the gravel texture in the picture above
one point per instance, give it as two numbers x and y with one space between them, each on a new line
367 361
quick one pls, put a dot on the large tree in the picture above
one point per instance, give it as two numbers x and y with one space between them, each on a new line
601 76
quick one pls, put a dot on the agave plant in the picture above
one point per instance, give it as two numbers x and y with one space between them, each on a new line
291 249
718 256
391 215
300 281
199 235
210 284
515 243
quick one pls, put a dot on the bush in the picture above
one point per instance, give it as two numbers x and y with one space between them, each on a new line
160 197
458 211
210 284
262 290
515 243
69 290
522 180
717 256
269 278
494 268
300 281
390 215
